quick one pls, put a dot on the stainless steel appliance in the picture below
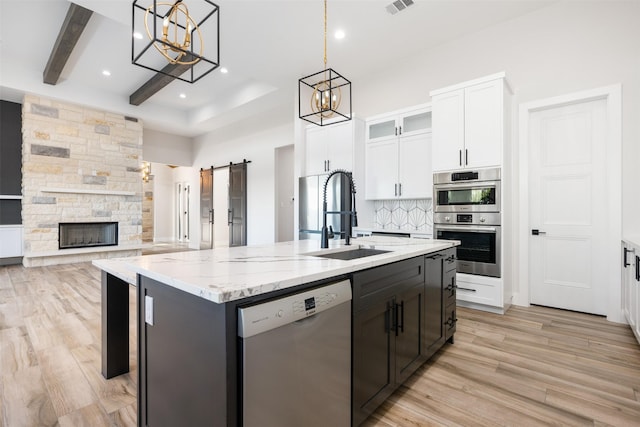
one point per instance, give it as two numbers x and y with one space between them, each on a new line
296 359
479 235
310 208
467 191
467 208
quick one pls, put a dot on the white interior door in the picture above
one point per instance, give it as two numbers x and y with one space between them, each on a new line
567 204
220 207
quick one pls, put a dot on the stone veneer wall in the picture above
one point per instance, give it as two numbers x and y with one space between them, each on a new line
147 210
79 150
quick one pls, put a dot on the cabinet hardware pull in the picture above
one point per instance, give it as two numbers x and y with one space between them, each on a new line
396 130
466 157
637 268
230 216
400 325
328 165
395 190
387 319
452 286
626 251
460 157
451 321
466 289
400 189
436 256
400 130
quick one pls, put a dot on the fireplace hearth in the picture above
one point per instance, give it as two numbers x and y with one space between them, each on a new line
87 234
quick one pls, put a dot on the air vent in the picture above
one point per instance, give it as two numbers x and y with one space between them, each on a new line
398 6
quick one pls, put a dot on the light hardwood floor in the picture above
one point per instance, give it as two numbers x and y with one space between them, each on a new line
533 366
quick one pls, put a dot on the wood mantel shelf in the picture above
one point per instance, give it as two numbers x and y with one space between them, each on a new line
90 191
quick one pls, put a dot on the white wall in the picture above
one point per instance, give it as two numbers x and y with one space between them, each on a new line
567 47
564 48
233 145
163 203
161 147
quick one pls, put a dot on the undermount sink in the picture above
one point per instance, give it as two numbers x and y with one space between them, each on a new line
352 254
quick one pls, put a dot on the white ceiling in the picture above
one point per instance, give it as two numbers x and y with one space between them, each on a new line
266 45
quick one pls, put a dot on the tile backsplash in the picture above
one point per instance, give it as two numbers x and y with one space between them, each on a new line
405 215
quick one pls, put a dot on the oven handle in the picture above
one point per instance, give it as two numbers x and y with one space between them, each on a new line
467 228
466 185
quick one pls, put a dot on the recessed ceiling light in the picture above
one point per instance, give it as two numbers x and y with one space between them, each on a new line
106 73
223 70
137 35
183 95
339 34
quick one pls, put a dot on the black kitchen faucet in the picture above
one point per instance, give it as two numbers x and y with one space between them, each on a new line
326 233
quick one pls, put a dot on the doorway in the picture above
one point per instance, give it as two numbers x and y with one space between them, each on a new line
183 190
284 193
223 206
570 201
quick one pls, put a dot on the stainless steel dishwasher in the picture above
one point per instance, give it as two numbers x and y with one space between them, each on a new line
296 359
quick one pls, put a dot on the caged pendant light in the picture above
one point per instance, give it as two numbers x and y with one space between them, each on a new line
169 37
324 98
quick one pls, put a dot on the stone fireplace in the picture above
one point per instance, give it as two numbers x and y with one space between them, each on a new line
87 234
80 166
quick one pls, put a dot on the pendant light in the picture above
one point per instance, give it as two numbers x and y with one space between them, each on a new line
324 98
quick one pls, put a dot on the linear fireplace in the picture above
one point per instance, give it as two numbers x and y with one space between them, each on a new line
87 234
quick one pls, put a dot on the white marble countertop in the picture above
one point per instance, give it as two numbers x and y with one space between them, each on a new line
228 274
634 239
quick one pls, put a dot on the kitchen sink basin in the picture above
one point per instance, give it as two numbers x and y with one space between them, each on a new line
352 254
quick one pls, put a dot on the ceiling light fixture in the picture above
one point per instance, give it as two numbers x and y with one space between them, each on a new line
320 99
223 70
176 34
106 73
183 95
339 34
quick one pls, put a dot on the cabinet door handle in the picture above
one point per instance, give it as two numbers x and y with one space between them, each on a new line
466 157
637 268
400 324
451 321
400 130
395 190
466 289
400 189
396 130
230 216
388 317
626 251
460 157
451 287
328 165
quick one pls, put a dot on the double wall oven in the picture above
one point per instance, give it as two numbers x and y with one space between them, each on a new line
467 208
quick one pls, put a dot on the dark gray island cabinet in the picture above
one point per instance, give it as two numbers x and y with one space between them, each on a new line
190 357
400 315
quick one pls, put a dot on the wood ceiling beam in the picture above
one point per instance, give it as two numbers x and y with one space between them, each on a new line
159 81
70 32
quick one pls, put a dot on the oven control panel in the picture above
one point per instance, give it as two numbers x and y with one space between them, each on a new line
480 218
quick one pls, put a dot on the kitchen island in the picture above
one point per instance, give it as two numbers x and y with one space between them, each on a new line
188 358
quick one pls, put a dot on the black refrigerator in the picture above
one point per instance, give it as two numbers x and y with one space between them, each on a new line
310 212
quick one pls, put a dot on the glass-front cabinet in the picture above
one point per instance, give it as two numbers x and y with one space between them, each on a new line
407 122
398 155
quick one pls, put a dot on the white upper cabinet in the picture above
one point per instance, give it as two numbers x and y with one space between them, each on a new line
329 148
397 155
469 124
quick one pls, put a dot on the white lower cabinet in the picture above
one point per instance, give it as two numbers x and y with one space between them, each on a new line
11 239
482 293
631 285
